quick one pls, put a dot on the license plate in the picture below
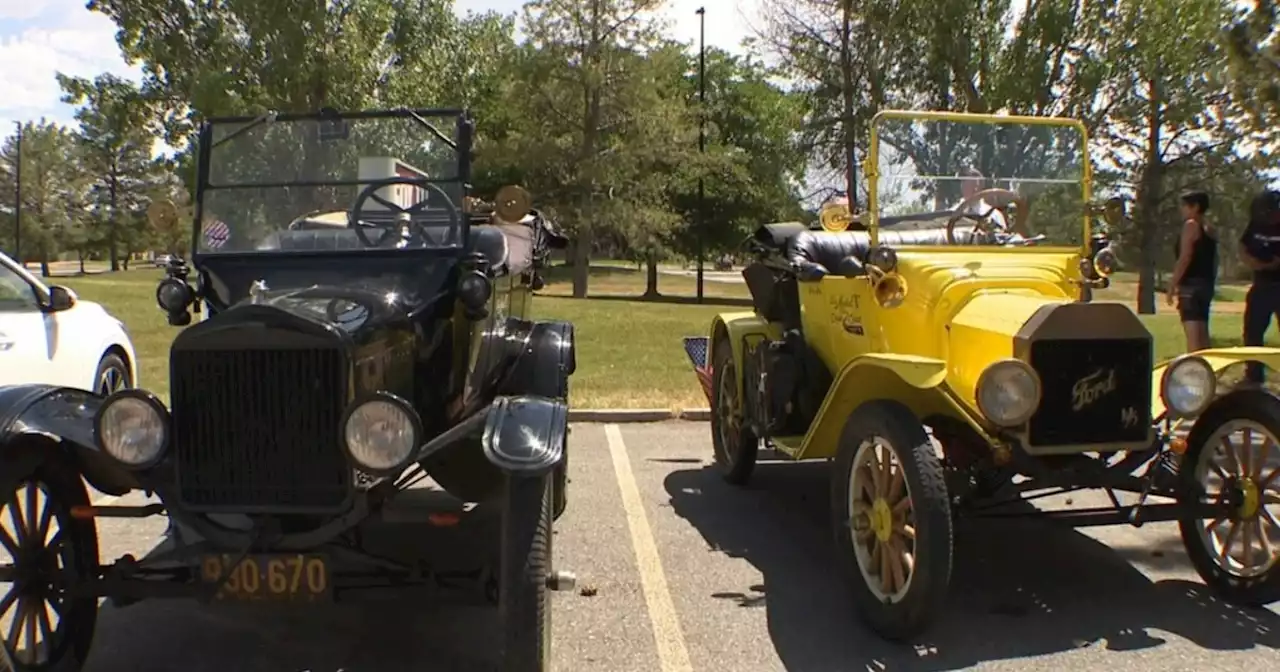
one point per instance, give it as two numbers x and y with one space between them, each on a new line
284 577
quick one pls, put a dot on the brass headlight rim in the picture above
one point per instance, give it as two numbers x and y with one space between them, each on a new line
985 379
1183 360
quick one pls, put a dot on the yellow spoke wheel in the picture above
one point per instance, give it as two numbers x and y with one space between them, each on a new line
892 519
1233 458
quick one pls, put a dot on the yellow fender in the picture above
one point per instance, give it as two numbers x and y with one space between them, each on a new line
1218 359
914 381
737 326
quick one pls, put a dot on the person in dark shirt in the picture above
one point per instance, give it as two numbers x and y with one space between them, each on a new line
1195 273
1260 251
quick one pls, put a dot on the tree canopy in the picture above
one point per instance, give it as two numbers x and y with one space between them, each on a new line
594 109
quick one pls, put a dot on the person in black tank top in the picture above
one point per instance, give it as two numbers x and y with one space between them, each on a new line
1260 251
1195 274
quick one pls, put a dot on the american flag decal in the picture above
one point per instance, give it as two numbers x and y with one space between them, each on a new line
696 348
216 234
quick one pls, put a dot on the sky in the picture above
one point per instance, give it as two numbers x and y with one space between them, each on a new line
39 38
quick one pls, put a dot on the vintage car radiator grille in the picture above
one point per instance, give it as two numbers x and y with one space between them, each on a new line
257 430
1095 391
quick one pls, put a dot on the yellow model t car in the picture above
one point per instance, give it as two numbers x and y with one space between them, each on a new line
958 308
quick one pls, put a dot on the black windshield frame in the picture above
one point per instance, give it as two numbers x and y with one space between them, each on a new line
463 134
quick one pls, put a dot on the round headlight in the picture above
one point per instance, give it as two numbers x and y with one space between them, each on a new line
1188 385
474 289
1008 392
381 434
133 428
1105 262
173 295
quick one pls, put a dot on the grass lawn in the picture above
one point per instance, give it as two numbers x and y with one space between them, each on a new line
629 351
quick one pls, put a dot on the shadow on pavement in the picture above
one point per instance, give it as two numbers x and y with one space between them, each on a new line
384 630
387 637
1017 589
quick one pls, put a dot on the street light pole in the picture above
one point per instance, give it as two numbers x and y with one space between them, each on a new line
17 199
702 136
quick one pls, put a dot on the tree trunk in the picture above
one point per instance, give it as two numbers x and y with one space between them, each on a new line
80 255
1149 189
847 94
591 115
651 276
111 227
581 262
44 263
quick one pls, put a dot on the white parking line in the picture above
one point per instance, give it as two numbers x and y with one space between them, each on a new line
673 656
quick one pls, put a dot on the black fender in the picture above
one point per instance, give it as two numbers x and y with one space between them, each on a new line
36 419
525 434
544 360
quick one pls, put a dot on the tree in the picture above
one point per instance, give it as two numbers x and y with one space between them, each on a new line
51 188
1169 108
755 163
604 124
1254 60
301 55
117 131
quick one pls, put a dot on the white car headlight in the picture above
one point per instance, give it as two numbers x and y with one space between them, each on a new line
381 433
1008 392
133 428
1188 386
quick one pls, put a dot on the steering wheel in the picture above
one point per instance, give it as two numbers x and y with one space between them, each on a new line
1002 198
404 213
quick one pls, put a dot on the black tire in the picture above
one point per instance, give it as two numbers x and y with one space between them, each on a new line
560 487
71 638
525 565
735 451
1258 407
112 375
915 605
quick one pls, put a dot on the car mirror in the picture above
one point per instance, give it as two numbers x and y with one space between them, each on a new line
60 298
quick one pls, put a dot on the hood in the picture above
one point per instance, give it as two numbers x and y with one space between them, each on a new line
1002 325
410 280
352 298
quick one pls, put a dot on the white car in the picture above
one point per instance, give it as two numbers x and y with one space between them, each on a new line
49 336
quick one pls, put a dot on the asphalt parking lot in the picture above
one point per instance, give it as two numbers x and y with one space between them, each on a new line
687 573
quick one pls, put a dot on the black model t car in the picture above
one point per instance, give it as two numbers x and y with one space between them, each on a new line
365 324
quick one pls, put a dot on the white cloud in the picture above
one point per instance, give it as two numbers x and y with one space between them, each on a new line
55 36
21 9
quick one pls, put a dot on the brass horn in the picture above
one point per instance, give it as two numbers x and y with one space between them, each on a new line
512 203
889 289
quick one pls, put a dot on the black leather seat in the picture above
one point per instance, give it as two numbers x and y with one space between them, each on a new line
487 240
316 240
822 253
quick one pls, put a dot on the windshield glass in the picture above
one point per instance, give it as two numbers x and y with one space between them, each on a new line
932 170
291 184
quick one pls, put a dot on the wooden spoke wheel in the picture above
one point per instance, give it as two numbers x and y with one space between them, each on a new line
883 521
736 446
43 552
1236 461
892 519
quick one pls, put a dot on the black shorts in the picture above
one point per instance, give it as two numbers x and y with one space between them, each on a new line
1193 302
